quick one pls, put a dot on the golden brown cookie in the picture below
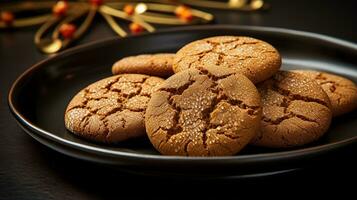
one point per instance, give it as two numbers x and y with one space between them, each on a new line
341 91
296 111
111 110
253 58
209 111
151 64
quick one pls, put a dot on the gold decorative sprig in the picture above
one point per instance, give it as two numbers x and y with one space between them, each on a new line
60 19
242 5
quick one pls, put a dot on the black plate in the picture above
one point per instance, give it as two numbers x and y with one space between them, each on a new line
39 97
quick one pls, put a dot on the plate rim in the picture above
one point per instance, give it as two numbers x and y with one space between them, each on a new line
288 154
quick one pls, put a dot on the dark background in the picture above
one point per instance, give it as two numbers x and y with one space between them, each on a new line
29 170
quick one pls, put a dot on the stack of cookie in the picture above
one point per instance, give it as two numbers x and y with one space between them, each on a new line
220 94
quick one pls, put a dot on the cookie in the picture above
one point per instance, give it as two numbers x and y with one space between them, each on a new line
296 111
210 111
341 91
151 64
253 58
111 110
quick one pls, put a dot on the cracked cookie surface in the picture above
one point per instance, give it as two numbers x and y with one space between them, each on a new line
207 111
251 57
341 91
151 64
296 111
111 110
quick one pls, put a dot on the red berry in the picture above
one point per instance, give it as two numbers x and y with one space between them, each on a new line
60 8
67 30
96 2
129 9
186 15
180 9
135 28
7 17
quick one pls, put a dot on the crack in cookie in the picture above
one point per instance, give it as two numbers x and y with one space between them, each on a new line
285 117
221 96
292 97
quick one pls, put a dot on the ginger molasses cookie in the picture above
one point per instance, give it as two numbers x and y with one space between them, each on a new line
251 57
296 111
111 110
151 64
210 111
341 91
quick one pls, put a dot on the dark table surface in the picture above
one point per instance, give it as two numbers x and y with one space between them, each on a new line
29 170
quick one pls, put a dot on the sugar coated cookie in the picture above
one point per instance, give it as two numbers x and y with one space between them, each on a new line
208 111
296 111
251 57
111 110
